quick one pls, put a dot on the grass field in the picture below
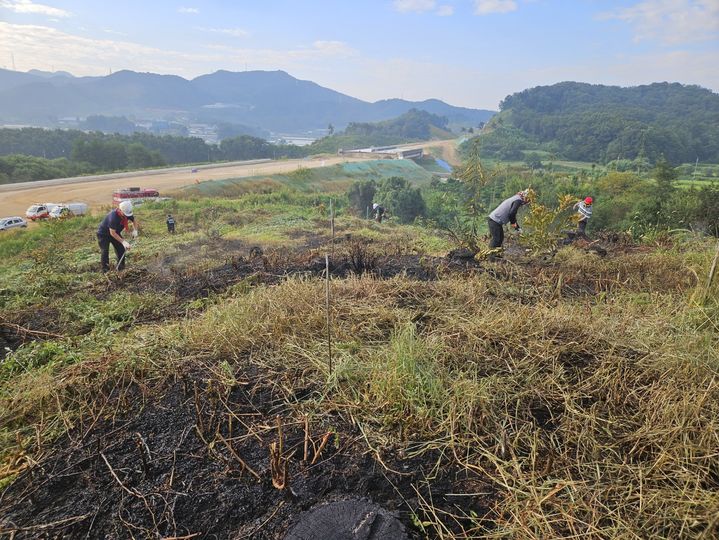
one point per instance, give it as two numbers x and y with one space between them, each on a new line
193 394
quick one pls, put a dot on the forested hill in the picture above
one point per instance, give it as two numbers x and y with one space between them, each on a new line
602 123
414 125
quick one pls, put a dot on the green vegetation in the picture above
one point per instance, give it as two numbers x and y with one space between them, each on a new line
414 125
50 154
70 153
603 123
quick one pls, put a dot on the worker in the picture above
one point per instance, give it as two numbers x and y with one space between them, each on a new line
170 224
505 213
378 212
110 232
584 209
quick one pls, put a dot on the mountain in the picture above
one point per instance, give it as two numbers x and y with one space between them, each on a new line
272 100
602 123
50 74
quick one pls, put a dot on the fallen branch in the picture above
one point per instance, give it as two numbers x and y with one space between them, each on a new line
22 330
132 492
325 438
238 458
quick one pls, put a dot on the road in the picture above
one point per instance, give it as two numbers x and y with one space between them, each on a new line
96 191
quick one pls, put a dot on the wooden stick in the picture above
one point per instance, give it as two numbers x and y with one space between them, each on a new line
712 272
307 437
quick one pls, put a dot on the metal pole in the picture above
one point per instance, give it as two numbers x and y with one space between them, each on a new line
327 305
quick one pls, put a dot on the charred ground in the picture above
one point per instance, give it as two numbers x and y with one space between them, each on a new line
191 396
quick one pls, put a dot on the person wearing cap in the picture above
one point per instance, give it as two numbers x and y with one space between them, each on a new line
170 224
378 212
584 209
505 213
110 232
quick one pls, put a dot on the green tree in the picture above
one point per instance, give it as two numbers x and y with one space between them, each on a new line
400 199
361 194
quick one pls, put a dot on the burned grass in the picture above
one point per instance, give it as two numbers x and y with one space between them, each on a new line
575 396
197 461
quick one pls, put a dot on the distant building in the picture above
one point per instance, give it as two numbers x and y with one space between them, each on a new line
391 152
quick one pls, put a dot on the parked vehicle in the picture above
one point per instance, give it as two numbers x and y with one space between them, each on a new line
135 195
39 211
12 222
68 210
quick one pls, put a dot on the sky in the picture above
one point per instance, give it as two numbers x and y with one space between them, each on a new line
470 53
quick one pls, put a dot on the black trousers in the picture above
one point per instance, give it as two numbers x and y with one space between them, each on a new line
104 242
582 228
497 232
171 228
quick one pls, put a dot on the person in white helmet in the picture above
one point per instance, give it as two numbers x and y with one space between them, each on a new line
378 212
110 232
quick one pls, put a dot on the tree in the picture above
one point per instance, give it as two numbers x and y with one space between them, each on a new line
330 129
533 161
361 194
400 199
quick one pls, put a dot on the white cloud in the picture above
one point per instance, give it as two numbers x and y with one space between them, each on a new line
37 47
445 10
42 47
417 6
188 10
671 21
333 48
114 32
234 32
485 7
27 6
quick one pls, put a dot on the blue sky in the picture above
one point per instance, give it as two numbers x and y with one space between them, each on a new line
466 52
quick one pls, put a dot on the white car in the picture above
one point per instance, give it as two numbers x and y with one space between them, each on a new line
11 223
68 210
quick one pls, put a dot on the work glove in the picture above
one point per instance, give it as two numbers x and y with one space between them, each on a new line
126 244
134 233
517 228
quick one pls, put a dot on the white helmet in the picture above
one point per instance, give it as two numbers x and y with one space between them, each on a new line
374 206
126 208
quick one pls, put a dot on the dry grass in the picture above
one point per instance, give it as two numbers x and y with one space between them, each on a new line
586 394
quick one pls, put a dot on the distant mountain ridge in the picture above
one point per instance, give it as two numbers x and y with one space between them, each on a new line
272 100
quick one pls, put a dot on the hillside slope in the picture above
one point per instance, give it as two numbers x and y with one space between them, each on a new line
194 396
600 123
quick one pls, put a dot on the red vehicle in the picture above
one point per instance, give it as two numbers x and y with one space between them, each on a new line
134 194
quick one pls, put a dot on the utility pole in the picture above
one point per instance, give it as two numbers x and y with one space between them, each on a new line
696 165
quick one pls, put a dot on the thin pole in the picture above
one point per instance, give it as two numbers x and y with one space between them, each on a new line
327 305
332 226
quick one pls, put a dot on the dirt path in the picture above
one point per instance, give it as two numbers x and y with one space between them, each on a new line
14 200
